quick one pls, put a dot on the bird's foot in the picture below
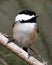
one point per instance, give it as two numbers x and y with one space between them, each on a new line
10 40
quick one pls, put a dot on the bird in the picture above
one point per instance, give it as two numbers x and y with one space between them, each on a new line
25 29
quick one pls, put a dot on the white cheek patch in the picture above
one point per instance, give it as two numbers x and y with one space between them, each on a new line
21 17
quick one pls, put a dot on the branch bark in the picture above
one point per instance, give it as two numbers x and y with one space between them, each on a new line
19 51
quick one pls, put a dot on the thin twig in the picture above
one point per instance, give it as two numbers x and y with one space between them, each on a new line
3 61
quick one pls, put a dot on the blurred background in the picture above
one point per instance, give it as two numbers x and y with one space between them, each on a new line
8 11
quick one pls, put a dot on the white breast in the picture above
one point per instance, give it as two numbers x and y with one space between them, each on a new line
26 27
22 32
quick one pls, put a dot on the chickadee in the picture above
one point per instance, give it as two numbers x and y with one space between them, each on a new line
25 30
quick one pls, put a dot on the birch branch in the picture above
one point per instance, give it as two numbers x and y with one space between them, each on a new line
19 51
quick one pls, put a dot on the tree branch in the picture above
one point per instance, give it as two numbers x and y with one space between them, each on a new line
19 51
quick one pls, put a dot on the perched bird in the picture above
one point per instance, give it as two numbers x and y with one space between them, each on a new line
25 29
